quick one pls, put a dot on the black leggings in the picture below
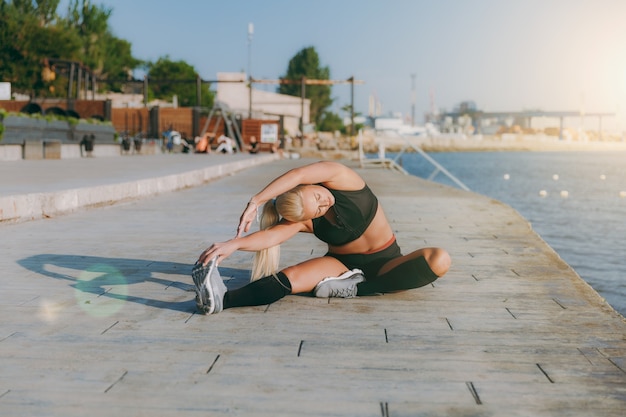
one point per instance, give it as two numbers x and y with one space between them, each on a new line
411 274
263 291
414 273
369 263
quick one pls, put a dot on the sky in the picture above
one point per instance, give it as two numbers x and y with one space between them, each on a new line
505 55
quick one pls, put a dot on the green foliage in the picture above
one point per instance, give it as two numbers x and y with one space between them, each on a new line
26 38
348 110
71 121
106 55
44 11
169 78
119 61
33 37
331 122
91 24
306 63
31 32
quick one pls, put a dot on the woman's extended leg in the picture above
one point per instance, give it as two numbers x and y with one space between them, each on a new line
414 270
292 280
306 275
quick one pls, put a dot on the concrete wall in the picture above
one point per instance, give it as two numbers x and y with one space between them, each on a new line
39 138
10 152
18 129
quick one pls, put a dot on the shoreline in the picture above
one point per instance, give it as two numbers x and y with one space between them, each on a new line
326 146
481 143
344 148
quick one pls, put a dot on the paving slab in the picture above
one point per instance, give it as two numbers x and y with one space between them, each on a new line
97 317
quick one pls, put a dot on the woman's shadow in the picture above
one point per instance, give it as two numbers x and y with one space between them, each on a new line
98 275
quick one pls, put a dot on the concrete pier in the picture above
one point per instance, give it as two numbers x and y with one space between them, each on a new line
98 318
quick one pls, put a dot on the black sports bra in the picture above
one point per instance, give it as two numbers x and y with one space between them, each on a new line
354 211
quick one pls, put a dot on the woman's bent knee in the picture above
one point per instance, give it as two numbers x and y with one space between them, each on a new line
439 261
304 276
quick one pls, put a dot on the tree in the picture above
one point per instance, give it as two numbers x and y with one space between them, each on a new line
11 33
177 78
331 122
31 33
119 62
348 110
91 23
28 36
107 56
306 63
44 11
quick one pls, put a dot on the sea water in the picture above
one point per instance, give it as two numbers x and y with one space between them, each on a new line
576 201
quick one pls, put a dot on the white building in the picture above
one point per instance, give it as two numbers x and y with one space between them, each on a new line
395 124
265 104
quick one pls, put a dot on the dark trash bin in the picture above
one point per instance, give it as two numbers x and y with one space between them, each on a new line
126 144
138 142
88 143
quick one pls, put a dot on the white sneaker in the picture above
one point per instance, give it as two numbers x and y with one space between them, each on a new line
343 286
210 288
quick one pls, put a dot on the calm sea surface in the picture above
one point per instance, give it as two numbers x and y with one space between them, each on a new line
572 199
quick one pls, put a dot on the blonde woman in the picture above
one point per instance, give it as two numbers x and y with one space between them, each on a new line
333 202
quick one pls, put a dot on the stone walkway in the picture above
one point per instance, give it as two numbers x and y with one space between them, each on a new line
98 318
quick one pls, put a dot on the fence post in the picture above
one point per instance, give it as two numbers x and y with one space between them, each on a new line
154 123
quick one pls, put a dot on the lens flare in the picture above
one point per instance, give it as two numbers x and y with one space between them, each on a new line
49 310
101 290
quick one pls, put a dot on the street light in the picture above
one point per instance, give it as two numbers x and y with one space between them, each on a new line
413 99
250 33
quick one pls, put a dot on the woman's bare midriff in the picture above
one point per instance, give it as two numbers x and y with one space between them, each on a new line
377 234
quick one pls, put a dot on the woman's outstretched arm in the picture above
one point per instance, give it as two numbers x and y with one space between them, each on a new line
331 174
256 241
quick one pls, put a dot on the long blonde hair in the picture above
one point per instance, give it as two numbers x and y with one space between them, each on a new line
290 207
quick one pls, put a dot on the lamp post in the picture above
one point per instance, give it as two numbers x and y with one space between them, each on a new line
250 33
413 99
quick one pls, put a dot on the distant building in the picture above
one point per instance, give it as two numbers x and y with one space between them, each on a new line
122 100
396 124
265 104
467 119
236 95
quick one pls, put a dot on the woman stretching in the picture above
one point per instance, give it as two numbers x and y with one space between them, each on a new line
333 202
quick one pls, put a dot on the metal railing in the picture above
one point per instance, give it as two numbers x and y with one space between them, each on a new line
383 161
